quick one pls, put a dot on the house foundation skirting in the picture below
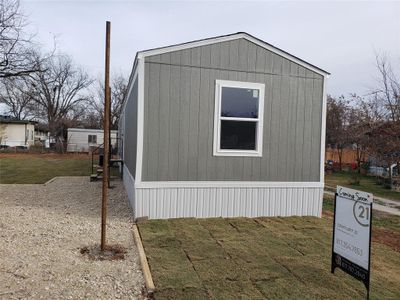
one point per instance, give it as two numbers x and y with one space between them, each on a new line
218 201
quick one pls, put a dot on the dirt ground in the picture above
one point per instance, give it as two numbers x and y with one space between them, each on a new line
387 237
43 228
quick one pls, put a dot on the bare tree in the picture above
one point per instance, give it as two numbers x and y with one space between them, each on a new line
118 90
337 125
374 132
387 94
384 116
16 45
384 143
60 90
15 94
90 119
363 115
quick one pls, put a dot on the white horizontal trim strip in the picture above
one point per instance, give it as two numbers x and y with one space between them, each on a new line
241 84
89 130
225 184
238 153
239 119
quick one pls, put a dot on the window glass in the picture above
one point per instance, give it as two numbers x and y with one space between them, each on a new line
238 128
239 102
240 135
92 139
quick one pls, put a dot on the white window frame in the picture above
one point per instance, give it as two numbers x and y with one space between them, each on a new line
217 118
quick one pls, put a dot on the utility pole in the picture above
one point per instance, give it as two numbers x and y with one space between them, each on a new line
106 139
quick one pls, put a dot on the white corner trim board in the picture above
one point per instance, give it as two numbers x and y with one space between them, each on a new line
323 131
140 121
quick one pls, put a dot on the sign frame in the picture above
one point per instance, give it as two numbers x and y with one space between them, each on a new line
349 267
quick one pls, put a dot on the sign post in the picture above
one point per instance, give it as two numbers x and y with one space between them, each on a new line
351 242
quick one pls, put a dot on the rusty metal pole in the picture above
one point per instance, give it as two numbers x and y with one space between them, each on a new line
106 126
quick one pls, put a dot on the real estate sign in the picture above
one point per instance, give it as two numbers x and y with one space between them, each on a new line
351 245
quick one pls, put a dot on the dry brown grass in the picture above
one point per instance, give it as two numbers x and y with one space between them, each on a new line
263 258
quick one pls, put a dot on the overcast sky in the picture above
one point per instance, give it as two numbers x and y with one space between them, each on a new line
340 37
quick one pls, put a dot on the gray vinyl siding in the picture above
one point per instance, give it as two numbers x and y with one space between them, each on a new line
130 129
179 115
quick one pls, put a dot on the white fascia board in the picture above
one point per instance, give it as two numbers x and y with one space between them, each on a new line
225 184
89 130
323 131
258 42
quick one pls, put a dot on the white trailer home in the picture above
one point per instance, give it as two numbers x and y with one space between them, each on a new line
16 133
227 126
83 140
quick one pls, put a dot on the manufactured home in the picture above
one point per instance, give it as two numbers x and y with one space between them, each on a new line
16 133
85 140
223 127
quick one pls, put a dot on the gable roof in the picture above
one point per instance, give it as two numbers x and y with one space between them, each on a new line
229 37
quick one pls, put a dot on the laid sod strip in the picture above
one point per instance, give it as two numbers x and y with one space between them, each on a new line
273 258
143 261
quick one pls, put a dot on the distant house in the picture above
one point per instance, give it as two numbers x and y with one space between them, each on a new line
42 134
16 133
226 126
84 140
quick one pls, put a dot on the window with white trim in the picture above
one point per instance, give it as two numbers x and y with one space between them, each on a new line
238 122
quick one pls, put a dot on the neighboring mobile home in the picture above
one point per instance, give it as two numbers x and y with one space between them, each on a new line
227 126
16 133
84 140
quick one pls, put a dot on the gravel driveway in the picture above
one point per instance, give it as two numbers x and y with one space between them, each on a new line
43 227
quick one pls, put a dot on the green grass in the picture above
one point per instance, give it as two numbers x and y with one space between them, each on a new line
367 184
39 168
241 258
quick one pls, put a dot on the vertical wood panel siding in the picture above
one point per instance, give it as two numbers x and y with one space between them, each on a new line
179 115
165 203
130 129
